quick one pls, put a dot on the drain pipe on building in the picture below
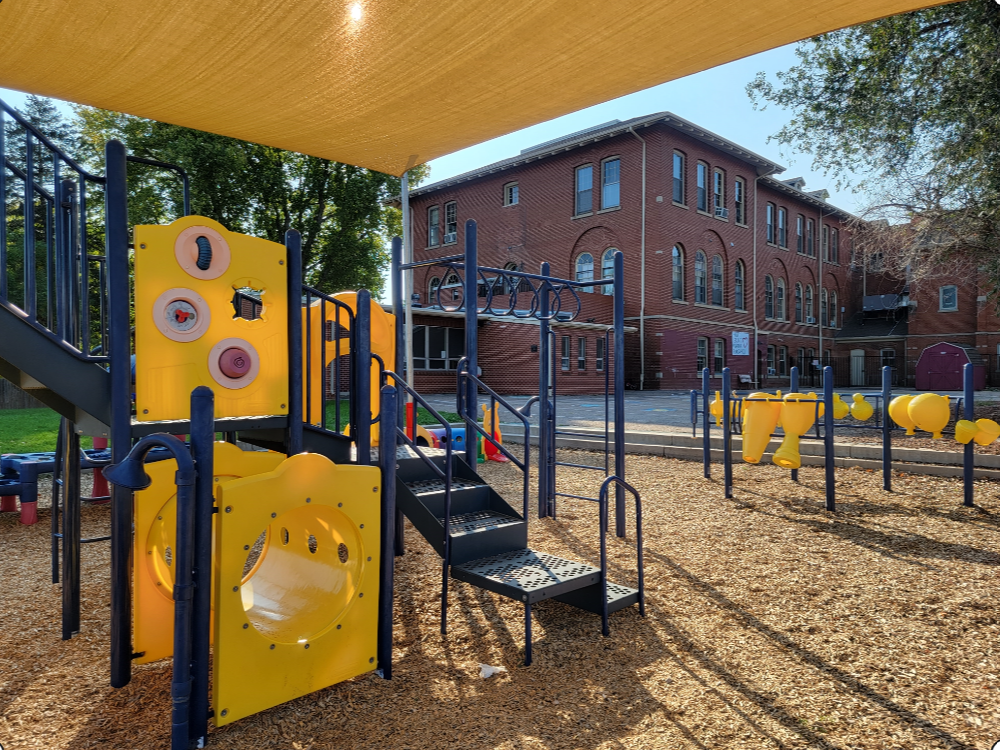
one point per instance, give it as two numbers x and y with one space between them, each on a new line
642 271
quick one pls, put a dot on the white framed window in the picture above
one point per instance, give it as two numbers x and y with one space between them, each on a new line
768 297
565 353
779 300
798 302
833 310
581 354
825 241
677 264
718 298
809 304
834 246
800 234
783 361
739 279
770 361
437 348
740 200
585 269
948 298
823 308
450 223
599 354
608 269
433 226
702 354
770 223
719 193
720 356
810 241
511 193
782 228
680 162
700 278
702 182
611 172
432 296
584 181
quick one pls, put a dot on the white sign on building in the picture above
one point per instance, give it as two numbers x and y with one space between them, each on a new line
741 344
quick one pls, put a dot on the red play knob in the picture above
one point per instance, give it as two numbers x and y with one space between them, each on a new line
234 362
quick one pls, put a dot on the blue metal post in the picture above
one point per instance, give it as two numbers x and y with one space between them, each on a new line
793 387
544 362
363 378
969 458
387 430
471 301
831 482
30 301
619 323
293 250
706 418
727 438
203 452
119 349
886 429
3 223
71 531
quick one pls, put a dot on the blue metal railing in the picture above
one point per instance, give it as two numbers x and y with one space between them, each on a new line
603 501
340 331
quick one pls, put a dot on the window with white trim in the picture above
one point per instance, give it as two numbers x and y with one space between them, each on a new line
702 354
677 265
783 361
565 353
739 298
702 182
585 269
825 241
717 292
611 183
740 200
720 356
780 300
599 355
769 219
432 297
834 246
833 310
768 297
810 243
809 304
511 194
770 361
719 192
679 165
433 226
798 302
823 308
581 354
584 180
608 269
800 234
700 278
450 223
948 298
782 228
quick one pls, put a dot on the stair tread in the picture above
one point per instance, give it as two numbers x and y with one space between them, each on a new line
528 575
479 521
617 592
430 486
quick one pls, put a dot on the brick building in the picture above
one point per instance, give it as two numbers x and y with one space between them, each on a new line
725 263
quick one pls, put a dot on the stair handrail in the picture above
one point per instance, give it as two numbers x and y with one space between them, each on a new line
50 145
603 502
470 421
446 475
310 294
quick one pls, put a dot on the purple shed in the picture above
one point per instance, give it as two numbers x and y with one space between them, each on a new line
940 367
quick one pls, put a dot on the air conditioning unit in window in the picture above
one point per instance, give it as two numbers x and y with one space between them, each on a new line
810 320
771 371
722 213
450 237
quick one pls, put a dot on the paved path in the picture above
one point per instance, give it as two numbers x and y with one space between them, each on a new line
645 411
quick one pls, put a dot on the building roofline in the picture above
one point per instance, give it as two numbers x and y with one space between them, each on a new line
828 208
550 148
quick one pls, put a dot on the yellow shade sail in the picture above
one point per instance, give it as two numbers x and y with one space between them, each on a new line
385 84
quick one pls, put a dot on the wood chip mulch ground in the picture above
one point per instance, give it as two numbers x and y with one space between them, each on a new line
771 624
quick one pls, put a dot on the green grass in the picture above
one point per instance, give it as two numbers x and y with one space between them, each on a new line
31 431
423 416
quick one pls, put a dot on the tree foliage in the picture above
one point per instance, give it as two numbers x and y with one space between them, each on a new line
339 209
912 102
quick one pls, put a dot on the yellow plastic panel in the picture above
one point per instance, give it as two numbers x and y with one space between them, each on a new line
306 615
185 321
383 343
155 539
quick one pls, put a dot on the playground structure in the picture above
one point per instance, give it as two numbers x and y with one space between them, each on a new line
271 571
758 415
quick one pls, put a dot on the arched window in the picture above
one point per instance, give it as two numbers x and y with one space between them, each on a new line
510 282
432 295
809 304
608 269
700 280
798 302
833 309
768 297
717 296
780 301
678 271
823 307
585 269
739 301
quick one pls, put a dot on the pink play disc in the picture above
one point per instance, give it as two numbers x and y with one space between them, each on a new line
234 362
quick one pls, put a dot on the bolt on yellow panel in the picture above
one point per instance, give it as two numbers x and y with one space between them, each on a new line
305 615
383 344
210 309
155 539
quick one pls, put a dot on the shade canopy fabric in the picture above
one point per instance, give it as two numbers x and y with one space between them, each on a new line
385 84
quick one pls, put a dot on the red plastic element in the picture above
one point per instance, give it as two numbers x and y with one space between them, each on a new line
235 362
29 514
8 504
409 421
100 488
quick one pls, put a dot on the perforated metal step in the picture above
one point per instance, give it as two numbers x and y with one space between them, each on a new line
527 575
430 486
480 520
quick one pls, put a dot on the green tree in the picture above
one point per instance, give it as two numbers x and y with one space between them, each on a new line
340 210
911 102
